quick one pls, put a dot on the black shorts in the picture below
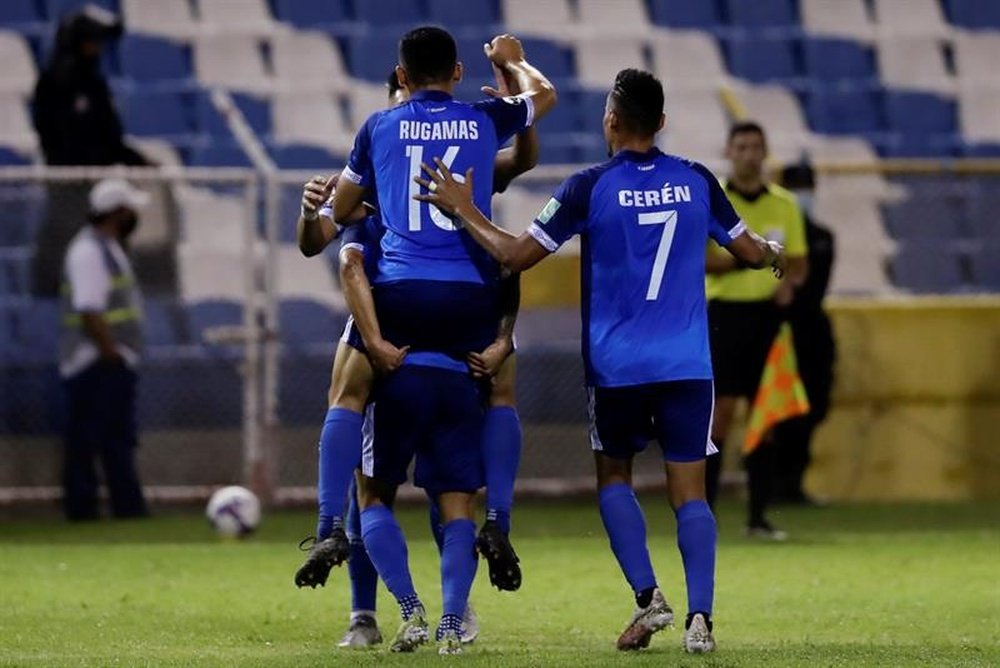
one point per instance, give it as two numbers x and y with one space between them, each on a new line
740 335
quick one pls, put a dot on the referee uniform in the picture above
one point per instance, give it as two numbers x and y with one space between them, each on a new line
744 319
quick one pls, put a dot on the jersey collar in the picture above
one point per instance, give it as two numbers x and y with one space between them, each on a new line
750 197
636 156
432 95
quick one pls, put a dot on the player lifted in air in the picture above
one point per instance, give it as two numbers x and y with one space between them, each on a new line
436 296
643 218
353 376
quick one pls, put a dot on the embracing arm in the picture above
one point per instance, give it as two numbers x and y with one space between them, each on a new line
384 356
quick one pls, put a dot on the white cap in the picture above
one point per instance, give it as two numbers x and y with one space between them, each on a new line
111 194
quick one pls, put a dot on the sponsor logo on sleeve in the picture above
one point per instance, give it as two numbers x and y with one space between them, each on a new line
549 211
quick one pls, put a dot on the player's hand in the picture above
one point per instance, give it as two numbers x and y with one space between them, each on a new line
506 84
446 192
487 363
504 50
779 262
384 356
315 193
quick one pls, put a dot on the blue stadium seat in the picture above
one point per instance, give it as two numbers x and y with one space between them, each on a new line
55 9
919 113
981 150
474 62
302 156
983 205
975 14
162 322
190 391
556 150
549 57
390 12
986 267
11 158
760 59
844 111
372 55
306 321
924 218
145 58
760 13
565 116
19 12
205 315
163 114
917 145
308 14
256 111
36 329
463 13
926 268
218 155
831 59
590 110
684 13
21 209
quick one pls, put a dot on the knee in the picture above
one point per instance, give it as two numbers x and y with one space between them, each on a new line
502 396
612 471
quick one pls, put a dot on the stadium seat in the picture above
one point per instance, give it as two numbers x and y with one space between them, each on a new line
251 17
314 118
760 13
915 63
19 13
12 158
531 17
463 13
56 9
976 58
327 71
840 149
310 15
145 59
548 56
974 14
37 328
926 269
925 217
978 116
390 13
986 267
564 117
364 101
216 155
910 17
681 14
697 124
476 67
846 19
306 321
623 17
688 59
980 150
164 114
372 56
206 314
169 18
760 59
844 111
161 322
828 59
209 221
256 112
919 113
234 62
303 156
599 59
16 130
19 72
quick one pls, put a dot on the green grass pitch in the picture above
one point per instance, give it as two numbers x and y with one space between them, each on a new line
856 586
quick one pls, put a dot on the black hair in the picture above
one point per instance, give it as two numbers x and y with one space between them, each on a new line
638 99
746 127
392 82
428 54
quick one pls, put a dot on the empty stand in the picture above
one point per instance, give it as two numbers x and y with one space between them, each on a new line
828 60
304 156
688 59
16 130
761 13
598 60
847 19
926 268
19 73
531 17
314 118
246 16
463 13
170 18
232 61
915 63
401 13
761 59
312 15
910 17
976 58
146 59
975 14
326 70
674 14
979 114
623 17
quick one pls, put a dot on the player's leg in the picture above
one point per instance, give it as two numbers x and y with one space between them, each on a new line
470 621
682 422
363 630
617 433
339 454
725 409
501 456
458 568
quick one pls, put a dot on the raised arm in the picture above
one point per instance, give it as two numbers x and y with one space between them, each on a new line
506 52
515 160
314 230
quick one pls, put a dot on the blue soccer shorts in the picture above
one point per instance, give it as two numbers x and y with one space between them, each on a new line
433 414
677 413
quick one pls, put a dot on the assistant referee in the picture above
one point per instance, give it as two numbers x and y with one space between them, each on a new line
745 308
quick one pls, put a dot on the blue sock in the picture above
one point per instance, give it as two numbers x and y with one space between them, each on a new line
339 454
626 527
448 623
364 577
434 515
458 566
387 550
696 537
501 456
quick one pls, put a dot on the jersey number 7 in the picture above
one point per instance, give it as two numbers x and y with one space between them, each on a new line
669 221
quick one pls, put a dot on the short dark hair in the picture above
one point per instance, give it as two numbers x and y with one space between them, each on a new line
392 82
638 99
798 177
428 54
746 127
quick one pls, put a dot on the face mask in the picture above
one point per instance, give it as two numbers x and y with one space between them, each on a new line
128 226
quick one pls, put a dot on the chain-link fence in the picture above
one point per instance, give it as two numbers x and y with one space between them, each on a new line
241 329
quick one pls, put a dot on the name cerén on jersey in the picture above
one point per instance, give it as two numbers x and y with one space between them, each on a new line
439 130
668 194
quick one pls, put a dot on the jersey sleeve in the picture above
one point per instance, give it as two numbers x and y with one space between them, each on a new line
795 234
724 223
359 169
565 214
510 115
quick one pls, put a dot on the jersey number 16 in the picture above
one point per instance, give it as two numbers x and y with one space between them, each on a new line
416 155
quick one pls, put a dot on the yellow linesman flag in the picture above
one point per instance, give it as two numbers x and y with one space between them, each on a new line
781 394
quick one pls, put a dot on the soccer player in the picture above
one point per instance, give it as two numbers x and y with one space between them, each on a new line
644 218
501 435
436 295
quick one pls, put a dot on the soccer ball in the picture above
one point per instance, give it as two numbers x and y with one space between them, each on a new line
234 511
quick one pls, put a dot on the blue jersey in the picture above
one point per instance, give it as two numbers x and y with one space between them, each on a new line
644 220
420 242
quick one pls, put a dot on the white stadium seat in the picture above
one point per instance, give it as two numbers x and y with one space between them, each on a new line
18 74
311 118
210 274
544 17
848 19
211 221
915 63
613 17
979 114
298 279
687 59
169 18
242 16
325 70
16 130
233 62
598 60
366 99
921 18
841 149
696 125
977 56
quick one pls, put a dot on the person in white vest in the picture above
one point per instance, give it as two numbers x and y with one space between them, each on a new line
99 350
